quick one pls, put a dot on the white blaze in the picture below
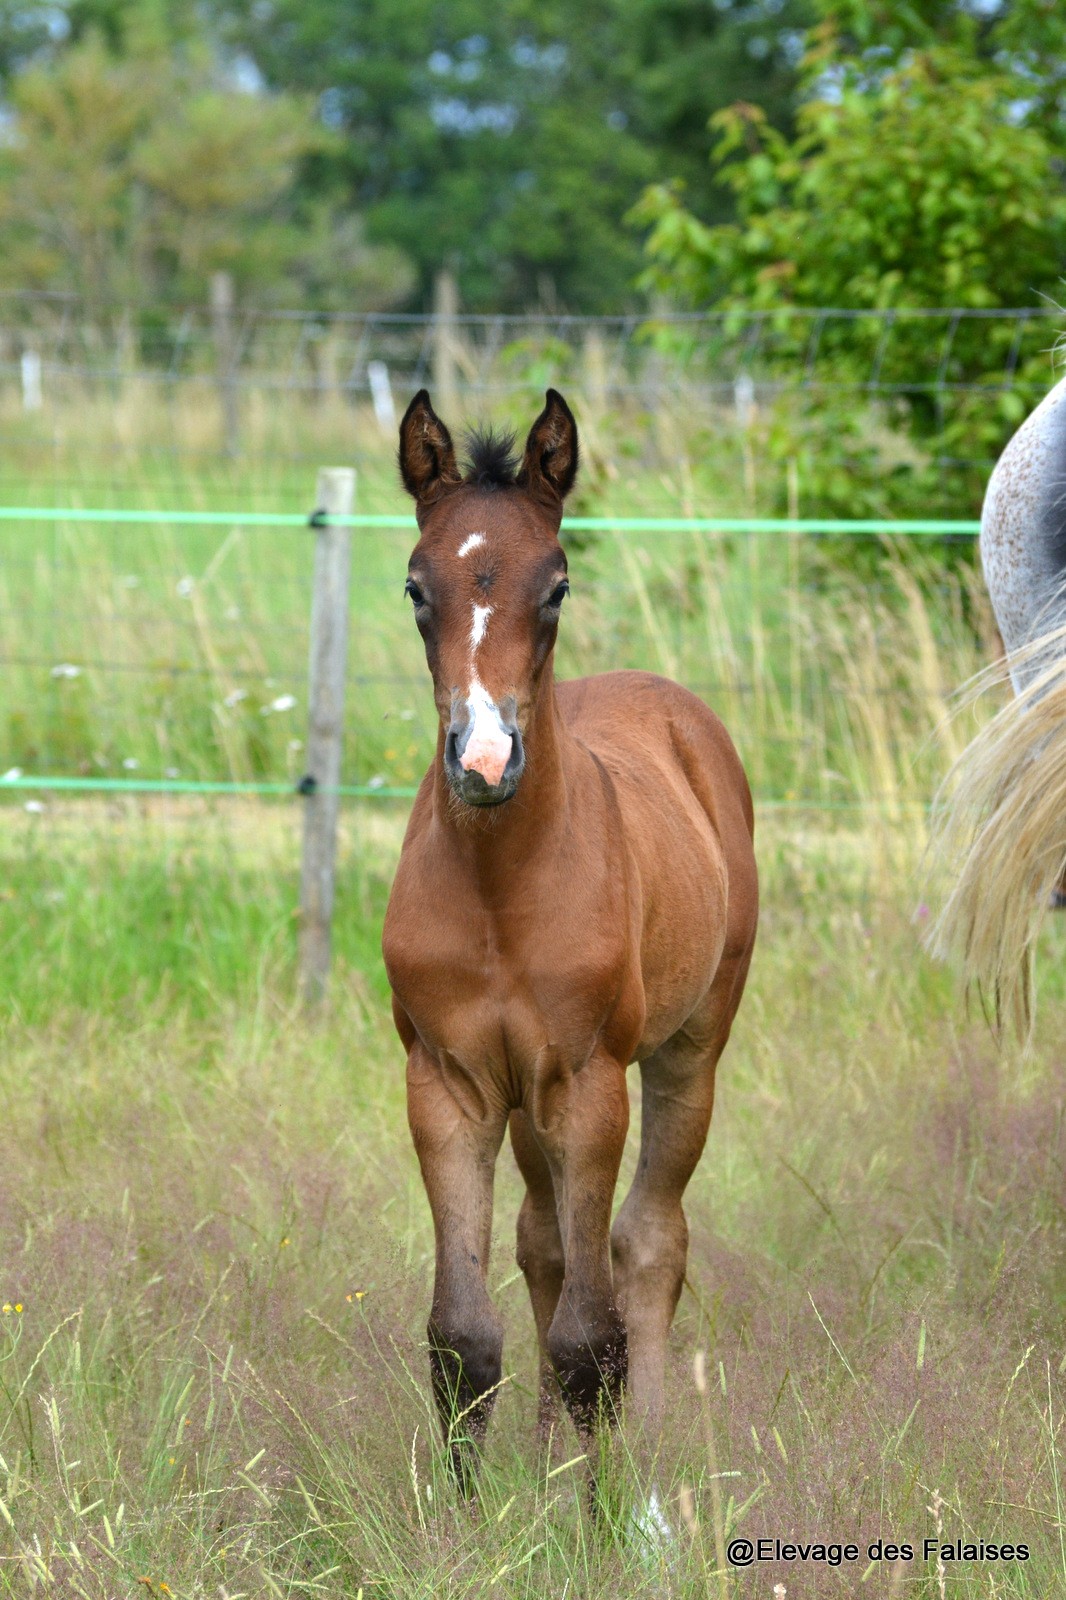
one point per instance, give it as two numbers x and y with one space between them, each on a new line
488 748
479 624
471 542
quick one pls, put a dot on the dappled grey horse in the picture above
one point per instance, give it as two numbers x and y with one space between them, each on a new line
1023 536
1003 821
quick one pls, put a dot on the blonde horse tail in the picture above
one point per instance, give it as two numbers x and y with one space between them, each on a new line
999 834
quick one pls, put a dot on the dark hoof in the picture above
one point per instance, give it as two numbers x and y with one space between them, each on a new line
465 1370
591 1374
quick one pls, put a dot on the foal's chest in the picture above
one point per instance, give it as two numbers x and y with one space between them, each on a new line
494 982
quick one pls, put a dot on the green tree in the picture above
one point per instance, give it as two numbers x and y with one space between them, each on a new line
918 177
136 176
921 186
509 141
67 211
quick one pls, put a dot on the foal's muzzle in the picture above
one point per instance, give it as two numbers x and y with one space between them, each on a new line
480 768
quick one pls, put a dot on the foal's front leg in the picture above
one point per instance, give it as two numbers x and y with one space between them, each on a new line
540 1255
581 1119
457 1135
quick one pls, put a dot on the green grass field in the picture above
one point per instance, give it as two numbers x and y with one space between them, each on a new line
215 1253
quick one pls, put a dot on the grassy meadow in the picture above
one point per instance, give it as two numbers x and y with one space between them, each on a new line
215 1253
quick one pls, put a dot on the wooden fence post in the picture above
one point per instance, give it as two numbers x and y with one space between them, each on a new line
445 340
334 496
595 374
222 305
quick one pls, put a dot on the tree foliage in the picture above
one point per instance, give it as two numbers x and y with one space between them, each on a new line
926 170
505 141
135 176
509 141
920 185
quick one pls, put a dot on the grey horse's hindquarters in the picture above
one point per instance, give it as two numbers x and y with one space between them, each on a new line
999 822
1023 533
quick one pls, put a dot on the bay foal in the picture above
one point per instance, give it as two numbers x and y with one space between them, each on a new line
577 891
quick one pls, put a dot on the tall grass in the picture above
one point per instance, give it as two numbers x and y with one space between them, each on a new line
213 1225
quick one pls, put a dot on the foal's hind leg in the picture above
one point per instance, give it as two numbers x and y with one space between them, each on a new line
540 1256
649 1240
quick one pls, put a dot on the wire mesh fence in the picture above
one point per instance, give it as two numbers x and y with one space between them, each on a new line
55 349
620 355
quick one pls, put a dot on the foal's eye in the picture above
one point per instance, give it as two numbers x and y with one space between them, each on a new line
411 588
557 596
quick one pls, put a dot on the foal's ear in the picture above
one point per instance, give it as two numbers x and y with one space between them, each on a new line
550 464
427 456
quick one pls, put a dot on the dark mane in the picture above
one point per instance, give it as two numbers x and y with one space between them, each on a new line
491 461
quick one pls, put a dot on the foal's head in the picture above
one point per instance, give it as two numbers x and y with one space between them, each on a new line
487 580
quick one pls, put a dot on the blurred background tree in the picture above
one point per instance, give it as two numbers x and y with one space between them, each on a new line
507 141
510 140
135 165
877 153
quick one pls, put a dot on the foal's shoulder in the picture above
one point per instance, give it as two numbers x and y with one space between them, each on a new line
635 719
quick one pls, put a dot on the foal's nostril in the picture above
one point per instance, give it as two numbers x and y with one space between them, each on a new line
517 759
455 742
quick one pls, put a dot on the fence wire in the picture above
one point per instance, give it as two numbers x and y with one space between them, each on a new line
724 356
169 682
318 352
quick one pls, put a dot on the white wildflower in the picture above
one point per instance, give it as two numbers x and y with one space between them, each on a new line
284 702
